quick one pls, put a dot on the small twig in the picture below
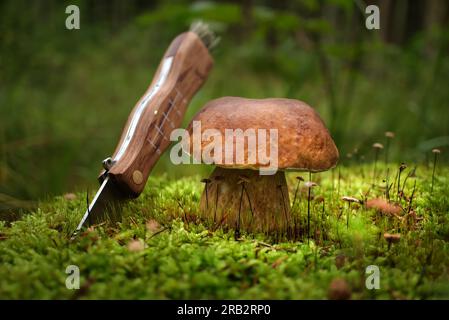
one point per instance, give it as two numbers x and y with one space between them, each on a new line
158 232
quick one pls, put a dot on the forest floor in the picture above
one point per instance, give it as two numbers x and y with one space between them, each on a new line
161 250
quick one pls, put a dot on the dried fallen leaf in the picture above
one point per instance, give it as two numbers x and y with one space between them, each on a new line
383 206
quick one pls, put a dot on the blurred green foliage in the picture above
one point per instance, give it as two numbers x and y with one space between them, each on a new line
65 94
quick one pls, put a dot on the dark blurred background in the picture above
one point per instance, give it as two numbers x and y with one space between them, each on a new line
65 94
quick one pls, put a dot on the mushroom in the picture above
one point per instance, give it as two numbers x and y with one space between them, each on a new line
259 202
377 147
389 136
349 200
392 238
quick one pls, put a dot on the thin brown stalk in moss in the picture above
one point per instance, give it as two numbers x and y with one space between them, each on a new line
436 152
389 136
299 178
377 147
309 185
218 180
402 167
349 200
206 182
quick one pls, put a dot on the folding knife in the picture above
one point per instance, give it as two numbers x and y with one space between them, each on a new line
181 73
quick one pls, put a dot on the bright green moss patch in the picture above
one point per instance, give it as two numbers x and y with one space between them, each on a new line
162 251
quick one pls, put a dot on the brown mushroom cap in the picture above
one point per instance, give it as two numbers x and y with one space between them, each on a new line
304 143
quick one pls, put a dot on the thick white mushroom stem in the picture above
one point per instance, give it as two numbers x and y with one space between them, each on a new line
244 200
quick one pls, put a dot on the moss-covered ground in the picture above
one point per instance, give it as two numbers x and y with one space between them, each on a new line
161 250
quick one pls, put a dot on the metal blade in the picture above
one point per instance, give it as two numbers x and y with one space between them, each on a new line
106 204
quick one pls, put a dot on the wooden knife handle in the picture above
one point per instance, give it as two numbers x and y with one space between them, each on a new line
146 135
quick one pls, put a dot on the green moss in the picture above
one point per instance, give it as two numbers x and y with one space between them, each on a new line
188 260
